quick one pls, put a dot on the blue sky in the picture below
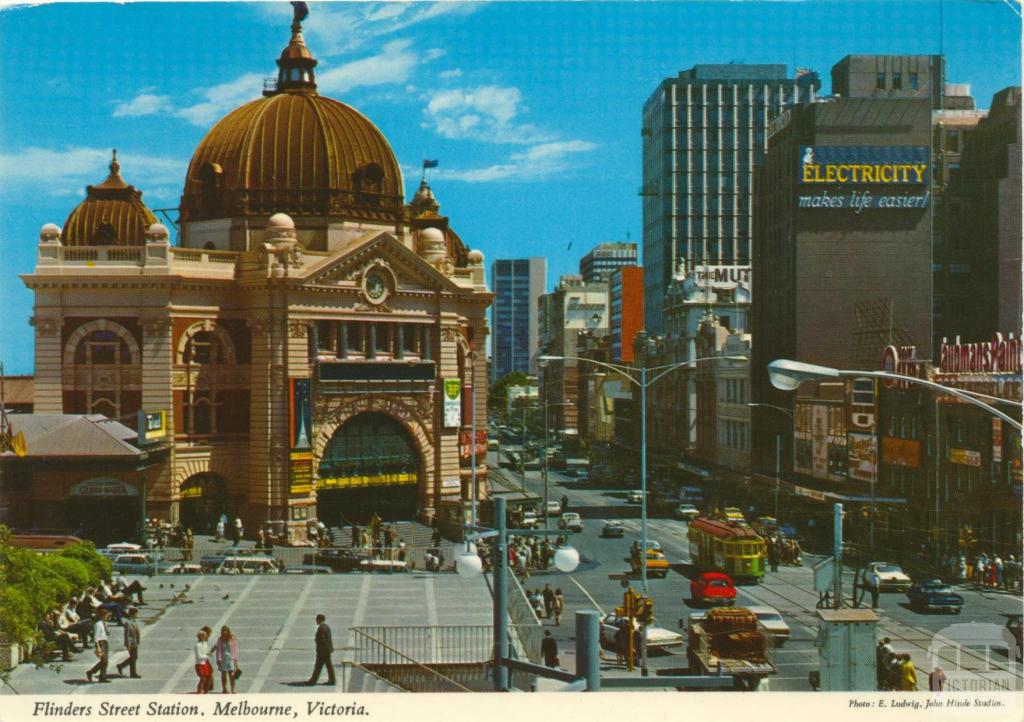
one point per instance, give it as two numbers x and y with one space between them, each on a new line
533 109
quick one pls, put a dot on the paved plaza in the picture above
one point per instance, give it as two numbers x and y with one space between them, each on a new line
272 617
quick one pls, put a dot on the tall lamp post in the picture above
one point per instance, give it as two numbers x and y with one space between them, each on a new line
643 383
778 450
787 375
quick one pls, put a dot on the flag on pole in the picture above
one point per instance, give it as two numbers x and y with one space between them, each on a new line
429 164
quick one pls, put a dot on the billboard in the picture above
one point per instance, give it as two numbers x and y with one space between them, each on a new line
863 457
965 457
452 403
300 422
866 177
901 452
819 441
152 426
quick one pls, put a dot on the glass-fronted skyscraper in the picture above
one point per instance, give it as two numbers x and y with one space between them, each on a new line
703 133
517 284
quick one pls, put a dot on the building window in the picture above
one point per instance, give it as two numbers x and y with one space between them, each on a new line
913 81
897 81
880 81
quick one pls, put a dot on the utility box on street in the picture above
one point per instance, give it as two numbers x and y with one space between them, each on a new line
846 649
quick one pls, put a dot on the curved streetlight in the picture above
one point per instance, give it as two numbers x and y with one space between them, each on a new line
787 375
643 382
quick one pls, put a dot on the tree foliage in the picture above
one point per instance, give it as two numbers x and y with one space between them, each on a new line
31 583
498 398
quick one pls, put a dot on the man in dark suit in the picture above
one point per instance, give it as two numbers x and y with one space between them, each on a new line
131 644
549 650
324 648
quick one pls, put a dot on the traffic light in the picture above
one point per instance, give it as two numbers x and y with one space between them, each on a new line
645 613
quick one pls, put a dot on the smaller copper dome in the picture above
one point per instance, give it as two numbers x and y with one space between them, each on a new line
112 214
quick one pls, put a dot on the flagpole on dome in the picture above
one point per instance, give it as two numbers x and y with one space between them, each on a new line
427 164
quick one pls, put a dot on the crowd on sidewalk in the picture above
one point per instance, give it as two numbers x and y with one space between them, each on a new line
984 571
70 626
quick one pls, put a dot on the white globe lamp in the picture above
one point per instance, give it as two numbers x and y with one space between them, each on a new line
567 559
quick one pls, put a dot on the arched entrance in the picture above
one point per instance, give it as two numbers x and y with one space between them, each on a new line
104 510
203 500
370 465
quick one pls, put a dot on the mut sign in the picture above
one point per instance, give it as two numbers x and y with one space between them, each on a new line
996 356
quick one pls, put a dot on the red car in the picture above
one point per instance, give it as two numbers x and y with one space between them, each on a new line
713 588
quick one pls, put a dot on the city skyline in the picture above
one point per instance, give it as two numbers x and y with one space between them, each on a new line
446 81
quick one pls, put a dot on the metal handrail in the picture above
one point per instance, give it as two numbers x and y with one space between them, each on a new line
406 658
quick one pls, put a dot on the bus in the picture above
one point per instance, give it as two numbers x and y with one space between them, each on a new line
725 546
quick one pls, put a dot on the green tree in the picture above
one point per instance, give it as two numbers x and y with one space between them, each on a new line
498 398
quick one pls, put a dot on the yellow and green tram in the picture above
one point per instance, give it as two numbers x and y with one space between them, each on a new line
725 546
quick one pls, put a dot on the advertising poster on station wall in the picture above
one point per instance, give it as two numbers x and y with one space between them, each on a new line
863 455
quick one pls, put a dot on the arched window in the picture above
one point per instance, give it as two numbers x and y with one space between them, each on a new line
102 348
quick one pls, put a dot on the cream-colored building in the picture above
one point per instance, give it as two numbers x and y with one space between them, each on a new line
299 336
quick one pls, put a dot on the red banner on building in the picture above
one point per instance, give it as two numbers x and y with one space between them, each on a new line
466 448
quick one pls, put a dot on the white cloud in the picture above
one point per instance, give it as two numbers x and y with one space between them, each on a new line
539 161
61 170
434 54
453 73
486 113
143 104
343 27
220 99
393 64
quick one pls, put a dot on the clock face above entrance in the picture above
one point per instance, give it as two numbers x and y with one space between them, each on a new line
375 285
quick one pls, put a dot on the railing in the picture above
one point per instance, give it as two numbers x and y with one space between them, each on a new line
527 627
169 559
198 255
469 644
377 655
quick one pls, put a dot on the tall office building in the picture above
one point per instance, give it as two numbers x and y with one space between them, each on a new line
626 311
703 134
517 284
598 265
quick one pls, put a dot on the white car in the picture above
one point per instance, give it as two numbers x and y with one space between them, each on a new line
572 521
530 520
634 497
886 577
686 511
773 623
554 507
657 637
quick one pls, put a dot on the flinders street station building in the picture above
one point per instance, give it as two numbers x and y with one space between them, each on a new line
305 351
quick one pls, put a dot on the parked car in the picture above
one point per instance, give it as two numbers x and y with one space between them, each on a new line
530 519
657 637
773 623
249 565
634 496
613 529
309 569
572 521
147 564
184 568
687 512
713 588
338 560
554 507
211 562
886 577
651 544
934 594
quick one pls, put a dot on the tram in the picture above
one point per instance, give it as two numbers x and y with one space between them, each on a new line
727 546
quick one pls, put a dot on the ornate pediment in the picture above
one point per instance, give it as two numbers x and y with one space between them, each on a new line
380 258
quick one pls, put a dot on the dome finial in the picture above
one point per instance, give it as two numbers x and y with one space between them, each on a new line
114 180
296 63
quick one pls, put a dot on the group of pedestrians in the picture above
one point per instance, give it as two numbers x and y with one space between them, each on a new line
547 603
895 672
783 550
987 572
223 651
382 540
101 641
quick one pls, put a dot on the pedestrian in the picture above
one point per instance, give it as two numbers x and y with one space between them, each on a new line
994 571
356 535
908 675
204 670
99 634
435 538
401 550
881 655
893 671
936 680
621 642
226 654
549 649
565 503
559 606
220 530
549 601
324 649
131 644
773 553
962 573
874 595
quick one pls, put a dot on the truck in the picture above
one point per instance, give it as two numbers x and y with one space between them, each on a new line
730 640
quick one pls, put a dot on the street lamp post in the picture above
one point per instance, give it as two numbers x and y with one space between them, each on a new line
778 450
643 383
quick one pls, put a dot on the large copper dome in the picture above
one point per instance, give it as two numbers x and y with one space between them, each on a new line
112 214
294 152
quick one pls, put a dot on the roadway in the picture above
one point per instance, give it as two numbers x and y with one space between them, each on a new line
790 590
